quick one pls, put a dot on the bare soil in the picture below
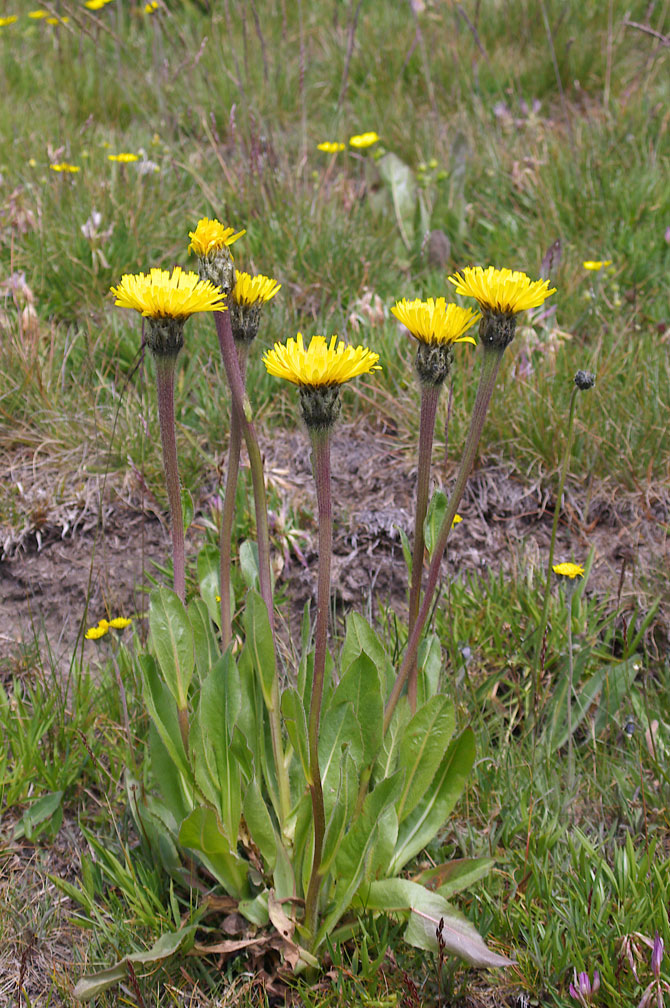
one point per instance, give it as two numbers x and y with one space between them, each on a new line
63 576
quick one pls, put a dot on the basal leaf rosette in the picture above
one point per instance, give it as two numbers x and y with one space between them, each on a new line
246 302
167 300
501 295
436 326
319 370
210 242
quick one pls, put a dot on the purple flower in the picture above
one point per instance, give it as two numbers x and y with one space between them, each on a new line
657 956
583 990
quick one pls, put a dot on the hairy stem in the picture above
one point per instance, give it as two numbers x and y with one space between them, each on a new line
165 370
228 517
489 373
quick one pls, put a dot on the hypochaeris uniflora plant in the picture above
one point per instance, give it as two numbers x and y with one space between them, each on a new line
305 791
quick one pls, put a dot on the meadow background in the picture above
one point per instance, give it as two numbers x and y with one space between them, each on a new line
533 135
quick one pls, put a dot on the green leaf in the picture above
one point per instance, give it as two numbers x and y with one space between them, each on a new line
49 806
387 760
421 750
95 983
202 832
401 181
430 815
171 640
361 687
341 811
428 911
171 784
256 909
187 508
362 639
259 824
429 661
208 581
437 510
340 733
259 637
160 704
205 644
295 720
454 876
215 762
249 564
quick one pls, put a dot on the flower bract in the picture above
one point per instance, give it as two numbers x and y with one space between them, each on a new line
321 363
362 140
210 236
249 290
502 291
330 146
161 294
435 321
568 570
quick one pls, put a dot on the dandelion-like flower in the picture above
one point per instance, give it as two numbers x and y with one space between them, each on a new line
210 241
37 15
96 5
362 140
568 570
330 146
9 20
96 632
120 622
246 304
63 166
123 158
501 294
596 264
319 370
437 326
167 300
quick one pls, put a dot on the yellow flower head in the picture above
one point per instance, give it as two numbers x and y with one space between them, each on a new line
10 19
65 167
161 294
96 632
457 520
321 364
249 290
596 264
568 570
57 20
501 291
37 15
210 236
123 158
120 622
362 140
435 321
330 146
95 5
151 7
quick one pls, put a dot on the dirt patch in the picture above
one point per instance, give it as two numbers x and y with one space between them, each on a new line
61 580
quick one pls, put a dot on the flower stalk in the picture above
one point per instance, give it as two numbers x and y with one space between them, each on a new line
489 373
165 372
228 515
321 463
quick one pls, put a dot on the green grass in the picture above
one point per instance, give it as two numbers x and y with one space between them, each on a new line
229 105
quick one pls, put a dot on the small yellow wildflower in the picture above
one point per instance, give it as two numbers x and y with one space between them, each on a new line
10 19
123 158
96 632
151 7
32 162
249 290
596 264
210 236
37 15
57 20
457 520
63 166
362 140
502 291
435 321
568 570
96 5
330 146
120 622
161 294
322 363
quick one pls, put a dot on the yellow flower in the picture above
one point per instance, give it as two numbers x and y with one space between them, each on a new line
120 622
596 264
362 140
321 363
57 20
161 294
568 570
65 167
330 146
96 632
249 290
151 7
10 19
95 5
502 291
37 15
436 321
210 236
457 520
123 158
